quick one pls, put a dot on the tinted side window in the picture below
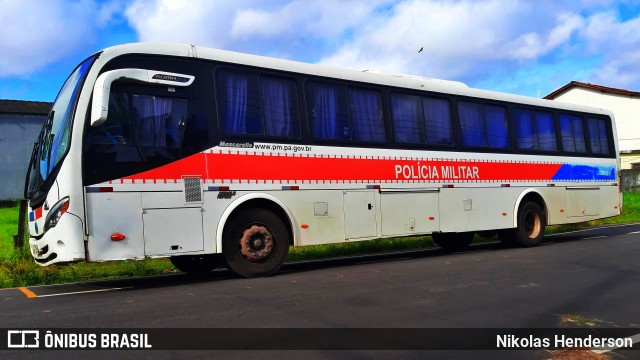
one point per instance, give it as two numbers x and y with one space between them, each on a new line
407 117
367 116
280 104
142 120
598 136
483 125
437 117
497 127
472 124
572 134
239 103
327 112
546 131
535 130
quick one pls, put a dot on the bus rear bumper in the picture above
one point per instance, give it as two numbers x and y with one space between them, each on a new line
63 243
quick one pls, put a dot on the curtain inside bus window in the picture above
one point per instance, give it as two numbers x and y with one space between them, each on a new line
158 121
239 103
327 119
598 136
604 139
566 131
437 117
578 133
408 123
471 124
148 120
497 128
280 105
367 119
523 124
546 131
572 133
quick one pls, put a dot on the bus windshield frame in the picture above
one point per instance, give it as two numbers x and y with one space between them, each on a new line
55 137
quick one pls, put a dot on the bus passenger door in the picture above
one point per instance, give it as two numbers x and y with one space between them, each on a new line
360 215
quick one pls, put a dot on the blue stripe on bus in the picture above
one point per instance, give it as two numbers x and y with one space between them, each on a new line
568 172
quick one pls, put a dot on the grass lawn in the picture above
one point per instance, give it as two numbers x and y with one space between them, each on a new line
17 268
8 228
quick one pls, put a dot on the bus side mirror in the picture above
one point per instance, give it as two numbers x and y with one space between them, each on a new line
102 87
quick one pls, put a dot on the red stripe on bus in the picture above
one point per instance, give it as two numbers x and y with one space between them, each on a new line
274 167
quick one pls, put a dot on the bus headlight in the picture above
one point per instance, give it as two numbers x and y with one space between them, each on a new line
56 212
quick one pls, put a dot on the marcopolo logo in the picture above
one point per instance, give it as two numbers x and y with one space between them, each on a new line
21 339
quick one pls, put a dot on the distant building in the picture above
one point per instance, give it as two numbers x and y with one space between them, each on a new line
625 105
20 124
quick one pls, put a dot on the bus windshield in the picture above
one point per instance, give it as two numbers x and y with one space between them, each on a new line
55 136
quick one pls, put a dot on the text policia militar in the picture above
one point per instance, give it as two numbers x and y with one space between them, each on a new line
429 172
562 342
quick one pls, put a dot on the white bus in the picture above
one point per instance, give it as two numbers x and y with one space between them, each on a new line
204 156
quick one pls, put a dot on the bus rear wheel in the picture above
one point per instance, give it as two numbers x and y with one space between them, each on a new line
255 243
196 264
453 241
530 229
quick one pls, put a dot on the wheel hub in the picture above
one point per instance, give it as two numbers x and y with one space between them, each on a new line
256 243
532 224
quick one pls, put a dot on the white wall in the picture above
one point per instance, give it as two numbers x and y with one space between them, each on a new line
17 135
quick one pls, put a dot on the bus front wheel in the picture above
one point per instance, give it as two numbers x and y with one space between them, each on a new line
255 243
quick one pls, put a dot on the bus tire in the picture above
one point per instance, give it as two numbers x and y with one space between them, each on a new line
531 224
255 243
196 264
453 241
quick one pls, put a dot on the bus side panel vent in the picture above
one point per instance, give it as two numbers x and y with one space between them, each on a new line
192 189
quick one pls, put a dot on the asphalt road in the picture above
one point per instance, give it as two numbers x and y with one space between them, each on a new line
593 274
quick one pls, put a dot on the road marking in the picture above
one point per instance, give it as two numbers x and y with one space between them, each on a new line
591 229
635 232
594 237
30 294
635 339
86 291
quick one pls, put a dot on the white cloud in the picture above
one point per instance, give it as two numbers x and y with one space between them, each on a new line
109 12
532 45
323 19
36 33
478 42
491 42
278 28
459 37
197 21
618 44
473 41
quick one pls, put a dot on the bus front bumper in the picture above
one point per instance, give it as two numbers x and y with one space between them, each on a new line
63 243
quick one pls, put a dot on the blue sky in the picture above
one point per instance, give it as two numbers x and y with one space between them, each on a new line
521 47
